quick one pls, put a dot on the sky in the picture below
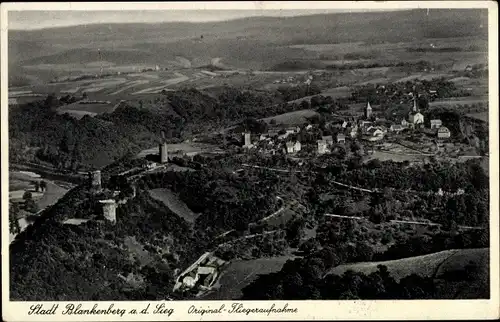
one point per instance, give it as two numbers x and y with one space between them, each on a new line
27 20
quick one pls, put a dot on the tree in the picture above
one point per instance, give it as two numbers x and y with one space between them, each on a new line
27 195
37 186
13 219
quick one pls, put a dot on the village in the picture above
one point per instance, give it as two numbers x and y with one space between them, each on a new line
411 134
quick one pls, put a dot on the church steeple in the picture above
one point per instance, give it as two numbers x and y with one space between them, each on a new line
415 109
368 111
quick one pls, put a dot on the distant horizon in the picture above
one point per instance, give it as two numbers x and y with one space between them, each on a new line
39 20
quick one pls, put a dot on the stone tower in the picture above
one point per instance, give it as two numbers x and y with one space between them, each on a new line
248 140
163 152
368 111
163 149
95 181
109 210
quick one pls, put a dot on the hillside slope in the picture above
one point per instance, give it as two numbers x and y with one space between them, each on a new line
448 268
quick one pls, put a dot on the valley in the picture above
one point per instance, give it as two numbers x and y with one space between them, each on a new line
309 157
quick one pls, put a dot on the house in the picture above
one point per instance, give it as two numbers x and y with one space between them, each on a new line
436 124
354 132
297 146
283 136
443 133
396 128
292 130
293 147
374 134
322 147
263 137
404 123
309 127
364 123
340 138
344 124
328 139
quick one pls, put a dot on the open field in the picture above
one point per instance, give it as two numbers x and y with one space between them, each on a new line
51 195
432 265
396 157
180 148
292 118
173 203
21 181
241 273
458 101
94 108
480 116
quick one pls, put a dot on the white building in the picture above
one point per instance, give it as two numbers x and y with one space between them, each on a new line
354 132
322 147
443 133
293 147
436 124
340 138
396 128
416 118
374 134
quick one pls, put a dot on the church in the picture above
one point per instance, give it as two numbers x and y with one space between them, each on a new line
415 118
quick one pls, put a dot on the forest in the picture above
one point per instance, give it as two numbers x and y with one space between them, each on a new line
150 243
39 133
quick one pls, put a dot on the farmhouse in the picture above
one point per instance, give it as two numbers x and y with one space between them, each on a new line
443 133
340 138
436 124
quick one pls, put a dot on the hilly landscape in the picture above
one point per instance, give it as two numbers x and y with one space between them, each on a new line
256 42
330 156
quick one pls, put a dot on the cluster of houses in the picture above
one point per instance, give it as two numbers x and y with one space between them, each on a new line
275 142
367 128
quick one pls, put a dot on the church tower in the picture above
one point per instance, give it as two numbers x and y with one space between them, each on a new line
368 111
415 108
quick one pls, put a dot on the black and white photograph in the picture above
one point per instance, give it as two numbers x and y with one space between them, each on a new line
248 155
